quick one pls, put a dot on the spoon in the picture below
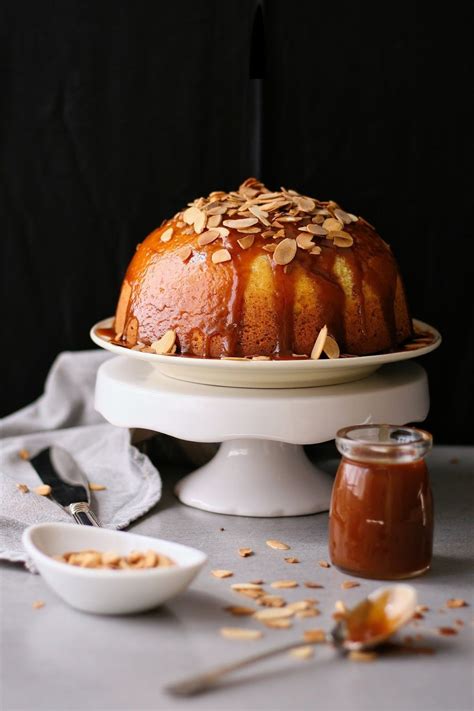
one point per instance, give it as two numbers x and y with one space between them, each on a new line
369 624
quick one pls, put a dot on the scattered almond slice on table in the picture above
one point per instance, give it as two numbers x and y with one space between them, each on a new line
96 487
42 490
23 488
315 635
456 602
271 601
361 656
311 612
277 545
245 552
240 633
309 584
279 623
24 454
239 610
284 584
38 604
304 652
324 564
222 573
348 584
273 613
292 560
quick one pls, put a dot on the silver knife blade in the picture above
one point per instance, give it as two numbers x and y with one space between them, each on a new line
69 485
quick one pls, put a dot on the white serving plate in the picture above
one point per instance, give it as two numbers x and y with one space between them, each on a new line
267 373
109 592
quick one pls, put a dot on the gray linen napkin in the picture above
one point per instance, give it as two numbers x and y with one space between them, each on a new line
65 415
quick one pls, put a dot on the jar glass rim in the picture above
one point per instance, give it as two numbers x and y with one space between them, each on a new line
383 442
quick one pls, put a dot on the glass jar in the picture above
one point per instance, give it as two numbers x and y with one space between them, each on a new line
381 515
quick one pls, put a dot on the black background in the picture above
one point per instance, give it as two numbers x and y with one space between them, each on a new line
115 113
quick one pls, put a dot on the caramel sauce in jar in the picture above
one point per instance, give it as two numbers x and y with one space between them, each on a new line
381 516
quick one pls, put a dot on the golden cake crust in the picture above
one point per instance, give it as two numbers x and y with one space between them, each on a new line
254 273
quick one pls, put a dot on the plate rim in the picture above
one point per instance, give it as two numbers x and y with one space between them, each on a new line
374 360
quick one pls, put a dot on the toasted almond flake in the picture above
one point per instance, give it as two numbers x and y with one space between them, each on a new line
305 204
246 586
96 487
421 608
277 545
271 601
267 234
316 250
339 606
208 237
304 241
280 623
190 215
273 613
310 584
222 573
304 652
221 255
344 217
280 233
24 454
290 218
245 222
23 488
315 635
252 594
38 604
249 231
285 251
348 584
200 221
342 239
354 218
361 656
310 612
292 560
456 602
257 582
214 221
299 605
164 344
239 610
246 242
331 348
42 490
318 220
259 214
223 231
240 633
447 631
284 584
324 564
218 210
245 552
167 235
332 225
269 247
185 252
261 358
319 346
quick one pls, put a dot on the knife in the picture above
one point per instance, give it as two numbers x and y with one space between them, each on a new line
69 485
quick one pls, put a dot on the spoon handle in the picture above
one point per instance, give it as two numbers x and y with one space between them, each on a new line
201 682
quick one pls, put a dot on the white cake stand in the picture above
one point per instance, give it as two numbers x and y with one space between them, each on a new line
260 468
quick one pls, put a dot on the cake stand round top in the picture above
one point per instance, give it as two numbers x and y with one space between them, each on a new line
131 393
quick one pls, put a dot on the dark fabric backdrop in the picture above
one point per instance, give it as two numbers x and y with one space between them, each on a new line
115 113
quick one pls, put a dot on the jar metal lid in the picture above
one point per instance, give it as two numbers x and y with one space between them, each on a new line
388 444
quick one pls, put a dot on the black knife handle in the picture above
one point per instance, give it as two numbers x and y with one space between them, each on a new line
83 515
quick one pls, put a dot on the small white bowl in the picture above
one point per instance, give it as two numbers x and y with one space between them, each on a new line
109 592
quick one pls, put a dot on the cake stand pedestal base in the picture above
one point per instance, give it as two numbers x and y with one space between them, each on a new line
255 477
261 468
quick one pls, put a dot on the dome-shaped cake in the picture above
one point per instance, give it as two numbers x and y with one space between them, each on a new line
257 273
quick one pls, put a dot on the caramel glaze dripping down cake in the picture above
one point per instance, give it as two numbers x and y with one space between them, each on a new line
260 273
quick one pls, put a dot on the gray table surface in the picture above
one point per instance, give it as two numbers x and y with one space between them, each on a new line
58 658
